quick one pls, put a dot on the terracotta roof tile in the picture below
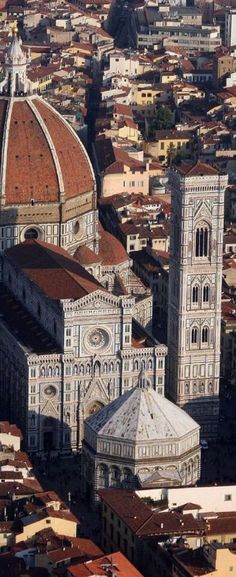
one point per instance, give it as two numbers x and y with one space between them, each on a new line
196 169
34 164
111 251
53 270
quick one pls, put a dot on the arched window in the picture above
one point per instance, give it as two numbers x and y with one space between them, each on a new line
105 368
202 241
194 337
187 389
194 388
195 294
76 370
136 365
31 233
150 364
206 293
205 335
210 388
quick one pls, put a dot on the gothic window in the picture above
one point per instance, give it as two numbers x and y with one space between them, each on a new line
88 369
82 369
111 367
50 371
42 372
210 388
202 241
150 364
136 365
57 371
195 294
186 389
105 368
206 294
205 335
76 370
194 337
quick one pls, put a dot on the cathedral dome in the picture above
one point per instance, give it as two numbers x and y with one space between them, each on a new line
42 159
47 183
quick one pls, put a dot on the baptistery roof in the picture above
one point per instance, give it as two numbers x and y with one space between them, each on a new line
142 415
42 158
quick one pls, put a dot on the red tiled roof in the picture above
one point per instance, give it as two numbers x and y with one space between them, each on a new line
196 169
122 567
86 256
53 270
34 164
111 251
6 427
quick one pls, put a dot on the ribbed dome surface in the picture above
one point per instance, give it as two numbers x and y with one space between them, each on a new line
41 156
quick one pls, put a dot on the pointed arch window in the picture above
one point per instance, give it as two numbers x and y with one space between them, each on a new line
205 332
194 336
206 292
202 241
195 294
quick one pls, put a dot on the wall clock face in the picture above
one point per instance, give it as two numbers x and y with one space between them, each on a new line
50 391
97 339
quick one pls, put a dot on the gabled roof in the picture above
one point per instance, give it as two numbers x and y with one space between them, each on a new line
53 270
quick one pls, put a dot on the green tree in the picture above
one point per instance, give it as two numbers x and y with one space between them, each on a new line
163 119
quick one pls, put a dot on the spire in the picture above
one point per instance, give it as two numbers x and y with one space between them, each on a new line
15 82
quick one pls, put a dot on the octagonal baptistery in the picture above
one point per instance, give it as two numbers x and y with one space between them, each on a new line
47 184
139 436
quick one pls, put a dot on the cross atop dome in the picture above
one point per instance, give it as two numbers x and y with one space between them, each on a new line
15 82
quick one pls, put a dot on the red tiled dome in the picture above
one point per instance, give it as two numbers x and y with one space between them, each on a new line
42 159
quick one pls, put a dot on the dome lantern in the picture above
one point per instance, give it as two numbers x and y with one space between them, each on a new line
15 82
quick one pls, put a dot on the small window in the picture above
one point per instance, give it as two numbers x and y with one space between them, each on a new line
206 294
205 335
228 497
194 335
195 294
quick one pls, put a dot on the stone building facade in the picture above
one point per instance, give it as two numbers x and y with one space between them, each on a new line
194 320
139 436
67 345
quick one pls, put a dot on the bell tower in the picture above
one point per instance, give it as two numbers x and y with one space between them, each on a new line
194 310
